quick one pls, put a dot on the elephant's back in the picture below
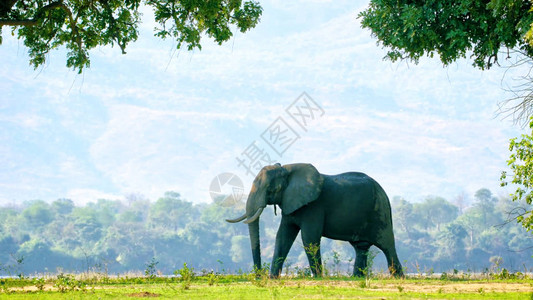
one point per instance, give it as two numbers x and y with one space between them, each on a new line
351 182
352 177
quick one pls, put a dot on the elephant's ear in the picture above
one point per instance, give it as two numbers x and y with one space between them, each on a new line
303 187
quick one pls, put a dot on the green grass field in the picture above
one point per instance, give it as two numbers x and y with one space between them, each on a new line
248 286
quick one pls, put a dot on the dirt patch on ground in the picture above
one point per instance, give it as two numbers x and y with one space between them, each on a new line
51 287
32 288
143 294
423 287
462 287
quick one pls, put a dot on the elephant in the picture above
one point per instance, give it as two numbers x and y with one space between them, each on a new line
350 206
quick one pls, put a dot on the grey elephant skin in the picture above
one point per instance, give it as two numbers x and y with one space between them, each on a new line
350 207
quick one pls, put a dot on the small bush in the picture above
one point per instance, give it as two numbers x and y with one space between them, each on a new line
151 270
212 279
259 277
187 276
68 282
39 283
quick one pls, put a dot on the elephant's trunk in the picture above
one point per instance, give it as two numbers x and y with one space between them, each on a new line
254 207
253 227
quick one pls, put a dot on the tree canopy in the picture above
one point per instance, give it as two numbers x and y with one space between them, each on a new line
450 29
81 25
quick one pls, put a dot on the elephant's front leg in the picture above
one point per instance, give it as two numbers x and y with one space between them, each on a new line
287 232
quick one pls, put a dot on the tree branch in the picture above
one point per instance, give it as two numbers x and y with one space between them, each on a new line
6 6
73 23
9 22
113 28
513 215
521 250
38 15
520 106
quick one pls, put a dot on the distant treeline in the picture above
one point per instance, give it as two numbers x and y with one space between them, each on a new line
135 234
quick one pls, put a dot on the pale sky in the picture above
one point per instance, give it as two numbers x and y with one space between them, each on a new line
157 119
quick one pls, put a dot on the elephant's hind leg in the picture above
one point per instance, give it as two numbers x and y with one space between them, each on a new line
361 258
311 241
395 268
388 247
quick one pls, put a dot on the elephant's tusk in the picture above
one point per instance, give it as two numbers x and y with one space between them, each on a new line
255 216
237 219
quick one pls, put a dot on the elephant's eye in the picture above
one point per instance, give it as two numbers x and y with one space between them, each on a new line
272 191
